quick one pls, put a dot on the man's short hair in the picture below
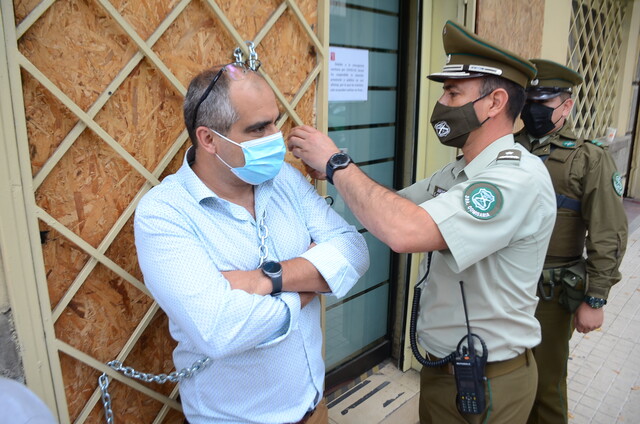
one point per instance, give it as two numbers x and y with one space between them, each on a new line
216 111
564 96
516 93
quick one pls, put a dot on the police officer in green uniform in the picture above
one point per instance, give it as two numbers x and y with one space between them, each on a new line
492 216
573 289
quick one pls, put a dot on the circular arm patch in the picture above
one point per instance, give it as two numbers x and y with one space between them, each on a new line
482 200
616 179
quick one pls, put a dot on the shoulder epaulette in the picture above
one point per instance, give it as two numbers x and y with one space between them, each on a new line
510 156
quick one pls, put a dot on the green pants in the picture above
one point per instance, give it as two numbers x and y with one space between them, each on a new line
550 406
509 397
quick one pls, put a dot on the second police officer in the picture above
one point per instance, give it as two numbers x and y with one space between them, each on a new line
591 219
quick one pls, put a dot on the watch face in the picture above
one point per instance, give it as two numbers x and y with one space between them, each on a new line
339 159
272 267
595 302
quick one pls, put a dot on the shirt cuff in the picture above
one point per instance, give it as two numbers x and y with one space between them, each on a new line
598 291
333 267
292 301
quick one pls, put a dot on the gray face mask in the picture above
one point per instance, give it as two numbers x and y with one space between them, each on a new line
453 124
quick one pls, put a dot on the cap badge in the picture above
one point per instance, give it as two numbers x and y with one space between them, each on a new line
442 129
535 82
448 58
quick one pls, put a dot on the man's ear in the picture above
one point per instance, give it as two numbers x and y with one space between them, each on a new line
499 99
566 107
206 140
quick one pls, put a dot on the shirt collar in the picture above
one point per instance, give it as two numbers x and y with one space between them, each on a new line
539 140
191 182
488 155
198 189
458 166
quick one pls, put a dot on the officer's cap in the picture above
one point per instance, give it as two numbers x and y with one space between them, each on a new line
552 79
469 56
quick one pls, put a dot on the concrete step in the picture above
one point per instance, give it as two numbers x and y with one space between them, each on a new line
386 396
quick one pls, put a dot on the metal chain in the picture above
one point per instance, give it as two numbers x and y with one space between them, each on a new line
103 382
253 56
175 376
254 63
263 233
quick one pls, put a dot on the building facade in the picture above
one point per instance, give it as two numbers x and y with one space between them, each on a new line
91 119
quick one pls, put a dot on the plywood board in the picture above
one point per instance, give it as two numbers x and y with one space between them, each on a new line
88 185
514 25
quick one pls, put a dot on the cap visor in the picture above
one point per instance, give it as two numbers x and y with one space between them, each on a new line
441 76
533 95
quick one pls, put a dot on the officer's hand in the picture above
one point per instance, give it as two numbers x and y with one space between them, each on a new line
312 146
587 318
316 175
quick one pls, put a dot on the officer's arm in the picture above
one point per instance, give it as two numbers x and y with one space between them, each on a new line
396 221
606 221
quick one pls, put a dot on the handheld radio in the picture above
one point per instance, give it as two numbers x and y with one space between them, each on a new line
468 368
467 365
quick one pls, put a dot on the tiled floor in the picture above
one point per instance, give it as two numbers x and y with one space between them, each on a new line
604 366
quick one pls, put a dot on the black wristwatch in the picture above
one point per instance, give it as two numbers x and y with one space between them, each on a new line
273 270
337 161
595 302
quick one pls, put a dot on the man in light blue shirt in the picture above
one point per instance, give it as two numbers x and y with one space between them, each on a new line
235 247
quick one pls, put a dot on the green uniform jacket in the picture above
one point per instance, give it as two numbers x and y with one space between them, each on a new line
584 172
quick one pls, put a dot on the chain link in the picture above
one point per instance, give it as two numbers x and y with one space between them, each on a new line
175 376
253 62
263 233
103 382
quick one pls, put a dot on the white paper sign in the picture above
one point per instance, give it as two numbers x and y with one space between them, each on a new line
348 74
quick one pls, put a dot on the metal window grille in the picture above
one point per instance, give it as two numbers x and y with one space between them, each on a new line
595 37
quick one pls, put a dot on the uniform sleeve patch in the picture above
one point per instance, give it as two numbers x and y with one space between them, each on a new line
511 156
482 200
617 183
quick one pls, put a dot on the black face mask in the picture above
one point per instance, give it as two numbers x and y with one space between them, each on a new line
537 118
453 124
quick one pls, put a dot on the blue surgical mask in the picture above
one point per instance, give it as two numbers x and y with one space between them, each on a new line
263 158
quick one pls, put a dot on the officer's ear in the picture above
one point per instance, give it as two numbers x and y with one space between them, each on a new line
566 107
499 99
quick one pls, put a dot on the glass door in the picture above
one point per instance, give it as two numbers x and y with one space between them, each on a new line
357 326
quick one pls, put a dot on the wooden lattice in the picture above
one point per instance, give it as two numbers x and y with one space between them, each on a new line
595 39
102 84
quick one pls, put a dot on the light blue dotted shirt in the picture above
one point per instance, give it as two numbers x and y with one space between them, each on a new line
266 352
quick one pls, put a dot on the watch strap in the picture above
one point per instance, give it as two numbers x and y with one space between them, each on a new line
595 302
277 285
331 167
